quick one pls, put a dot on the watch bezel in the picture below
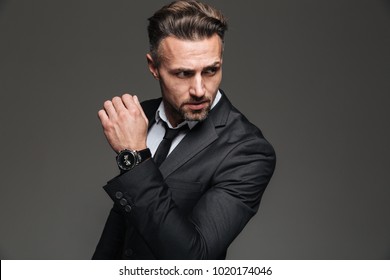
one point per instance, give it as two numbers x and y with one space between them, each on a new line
133 161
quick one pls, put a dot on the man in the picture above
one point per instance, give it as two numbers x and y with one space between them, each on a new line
192 204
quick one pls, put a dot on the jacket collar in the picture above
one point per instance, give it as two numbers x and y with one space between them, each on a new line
197 139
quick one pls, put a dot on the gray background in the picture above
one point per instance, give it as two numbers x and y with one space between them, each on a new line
313 75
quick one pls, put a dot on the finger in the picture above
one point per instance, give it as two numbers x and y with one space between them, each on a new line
128 101
118 104
102 114
109 108
138 104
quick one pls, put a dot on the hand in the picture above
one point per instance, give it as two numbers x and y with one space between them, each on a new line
124 123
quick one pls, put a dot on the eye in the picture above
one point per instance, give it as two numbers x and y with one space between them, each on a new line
210 71
183 74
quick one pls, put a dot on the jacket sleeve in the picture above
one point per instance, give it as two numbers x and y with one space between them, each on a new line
218 217
111 241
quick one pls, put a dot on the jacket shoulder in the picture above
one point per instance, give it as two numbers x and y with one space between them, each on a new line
234 127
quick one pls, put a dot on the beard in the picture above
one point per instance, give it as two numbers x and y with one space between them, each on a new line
186 113
195 115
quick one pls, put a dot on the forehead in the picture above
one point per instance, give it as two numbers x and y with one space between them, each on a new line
190 54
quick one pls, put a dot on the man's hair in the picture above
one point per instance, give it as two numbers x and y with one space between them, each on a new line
185 20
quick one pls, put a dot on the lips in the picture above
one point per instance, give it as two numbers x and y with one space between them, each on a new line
197 105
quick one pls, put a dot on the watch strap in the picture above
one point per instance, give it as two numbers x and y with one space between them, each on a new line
144 155
128 159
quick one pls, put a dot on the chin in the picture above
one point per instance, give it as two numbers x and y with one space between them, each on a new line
200 115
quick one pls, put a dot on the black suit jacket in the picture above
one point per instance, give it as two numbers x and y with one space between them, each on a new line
200 198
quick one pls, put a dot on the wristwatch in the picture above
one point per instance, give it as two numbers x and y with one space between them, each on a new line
128 159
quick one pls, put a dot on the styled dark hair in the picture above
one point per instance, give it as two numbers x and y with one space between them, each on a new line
186 20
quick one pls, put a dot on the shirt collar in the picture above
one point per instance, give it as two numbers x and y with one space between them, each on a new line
160 114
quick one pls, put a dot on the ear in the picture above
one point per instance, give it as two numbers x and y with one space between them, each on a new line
152 66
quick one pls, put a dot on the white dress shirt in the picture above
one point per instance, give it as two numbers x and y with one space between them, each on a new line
157 131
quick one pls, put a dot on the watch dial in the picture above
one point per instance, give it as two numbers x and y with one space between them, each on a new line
126 160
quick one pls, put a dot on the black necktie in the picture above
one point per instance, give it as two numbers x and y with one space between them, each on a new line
165 144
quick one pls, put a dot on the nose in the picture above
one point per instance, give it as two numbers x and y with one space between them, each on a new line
197 86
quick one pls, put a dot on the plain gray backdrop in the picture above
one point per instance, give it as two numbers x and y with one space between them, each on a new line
313 75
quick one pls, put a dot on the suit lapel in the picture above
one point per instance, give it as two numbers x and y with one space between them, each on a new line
197 139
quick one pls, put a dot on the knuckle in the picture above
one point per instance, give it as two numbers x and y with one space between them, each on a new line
122 114
133 111
108 126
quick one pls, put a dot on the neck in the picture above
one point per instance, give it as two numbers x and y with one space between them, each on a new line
174 117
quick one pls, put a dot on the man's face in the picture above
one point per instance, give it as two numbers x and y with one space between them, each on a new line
190 73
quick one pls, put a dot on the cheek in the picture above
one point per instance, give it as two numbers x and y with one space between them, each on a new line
212 84
172 85
175 92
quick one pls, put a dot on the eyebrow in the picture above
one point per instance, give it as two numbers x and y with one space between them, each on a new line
182 69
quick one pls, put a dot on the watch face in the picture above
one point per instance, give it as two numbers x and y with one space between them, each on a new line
126 160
